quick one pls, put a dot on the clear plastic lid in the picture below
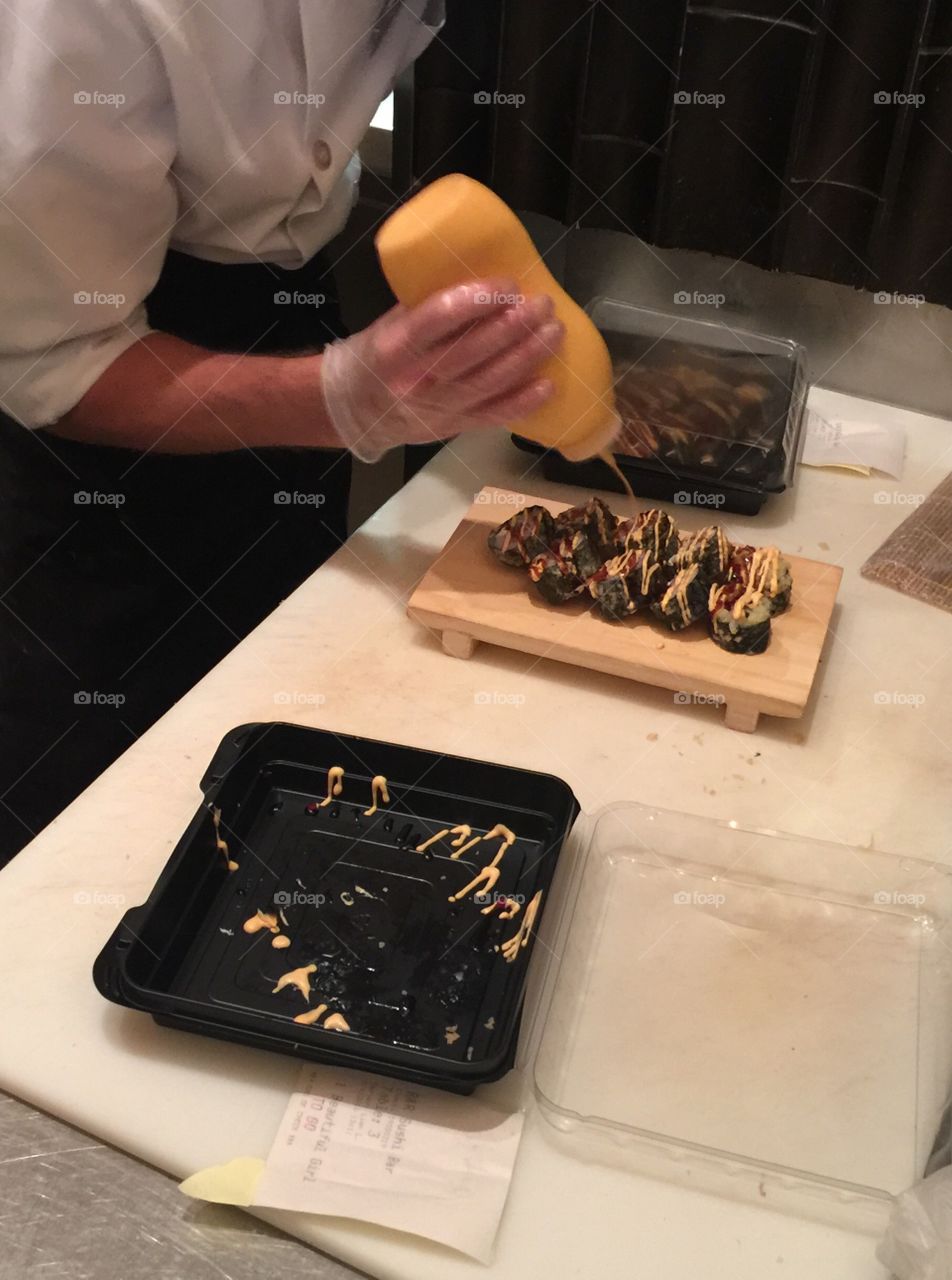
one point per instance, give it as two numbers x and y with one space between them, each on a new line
758 1015
702 398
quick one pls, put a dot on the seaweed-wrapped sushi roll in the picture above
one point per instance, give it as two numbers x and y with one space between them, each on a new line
685 599
593 518
740 622
627 583
611 586
653 531
626 536
770 573
555 578
579 551
738 568
764 571
649 579
708 548
523 536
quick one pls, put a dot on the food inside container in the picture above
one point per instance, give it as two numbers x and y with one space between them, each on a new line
711 415
681 405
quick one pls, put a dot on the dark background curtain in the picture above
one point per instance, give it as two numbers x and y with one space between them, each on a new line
828 152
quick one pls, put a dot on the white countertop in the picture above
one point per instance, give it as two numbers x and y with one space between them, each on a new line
341 654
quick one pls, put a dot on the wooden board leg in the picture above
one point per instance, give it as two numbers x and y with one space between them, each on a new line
741 716
458 644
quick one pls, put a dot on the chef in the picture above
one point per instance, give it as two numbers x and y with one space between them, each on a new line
179 399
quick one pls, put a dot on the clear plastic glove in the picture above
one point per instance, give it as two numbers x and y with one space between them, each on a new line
466 357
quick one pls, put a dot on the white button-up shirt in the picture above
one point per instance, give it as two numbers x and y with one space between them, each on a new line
223 128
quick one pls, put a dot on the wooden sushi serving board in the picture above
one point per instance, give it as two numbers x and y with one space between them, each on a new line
468 596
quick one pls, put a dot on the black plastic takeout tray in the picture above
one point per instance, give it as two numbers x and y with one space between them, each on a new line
428 997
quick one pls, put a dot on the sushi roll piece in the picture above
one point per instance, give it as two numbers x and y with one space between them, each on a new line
649 579
770 573
709 549
593 518
612 595
763 571
611 586
580 551
625 534
629 582
738 568
555 578
577 552
685 599
523 536
739 623
655 532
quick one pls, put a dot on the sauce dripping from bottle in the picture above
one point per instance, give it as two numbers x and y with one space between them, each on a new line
608 458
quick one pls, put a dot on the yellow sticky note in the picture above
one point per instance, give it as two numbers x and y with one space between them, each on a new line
840 466
231 1183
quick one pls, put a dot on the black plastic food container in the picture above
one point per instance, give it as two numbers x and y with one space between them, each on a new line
428 997
712 416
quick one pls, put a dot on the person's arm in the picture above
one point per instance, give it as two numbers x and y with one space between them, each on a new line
456 361
85 224
173 397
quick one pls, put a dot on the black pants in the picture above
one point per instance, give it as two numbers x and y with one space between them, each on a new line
125 576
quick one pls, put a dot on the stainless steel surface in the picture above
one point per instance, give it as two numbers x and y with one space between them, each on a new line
74 1209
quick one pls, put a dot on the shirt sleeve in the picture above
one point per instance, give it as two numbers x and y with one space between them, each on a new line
87 203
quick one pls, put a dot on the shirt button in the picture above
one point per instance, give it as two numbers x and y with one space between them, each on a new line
322 155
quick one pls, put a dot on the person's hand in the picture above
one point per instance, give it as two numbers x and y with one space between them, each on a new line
466 357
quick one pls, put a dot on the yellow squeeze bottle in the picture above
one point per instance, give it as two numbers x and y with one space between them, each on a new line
457 230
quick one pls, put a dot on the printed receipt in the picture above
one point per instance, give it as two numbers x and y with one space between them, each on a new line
409 1158
853 446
